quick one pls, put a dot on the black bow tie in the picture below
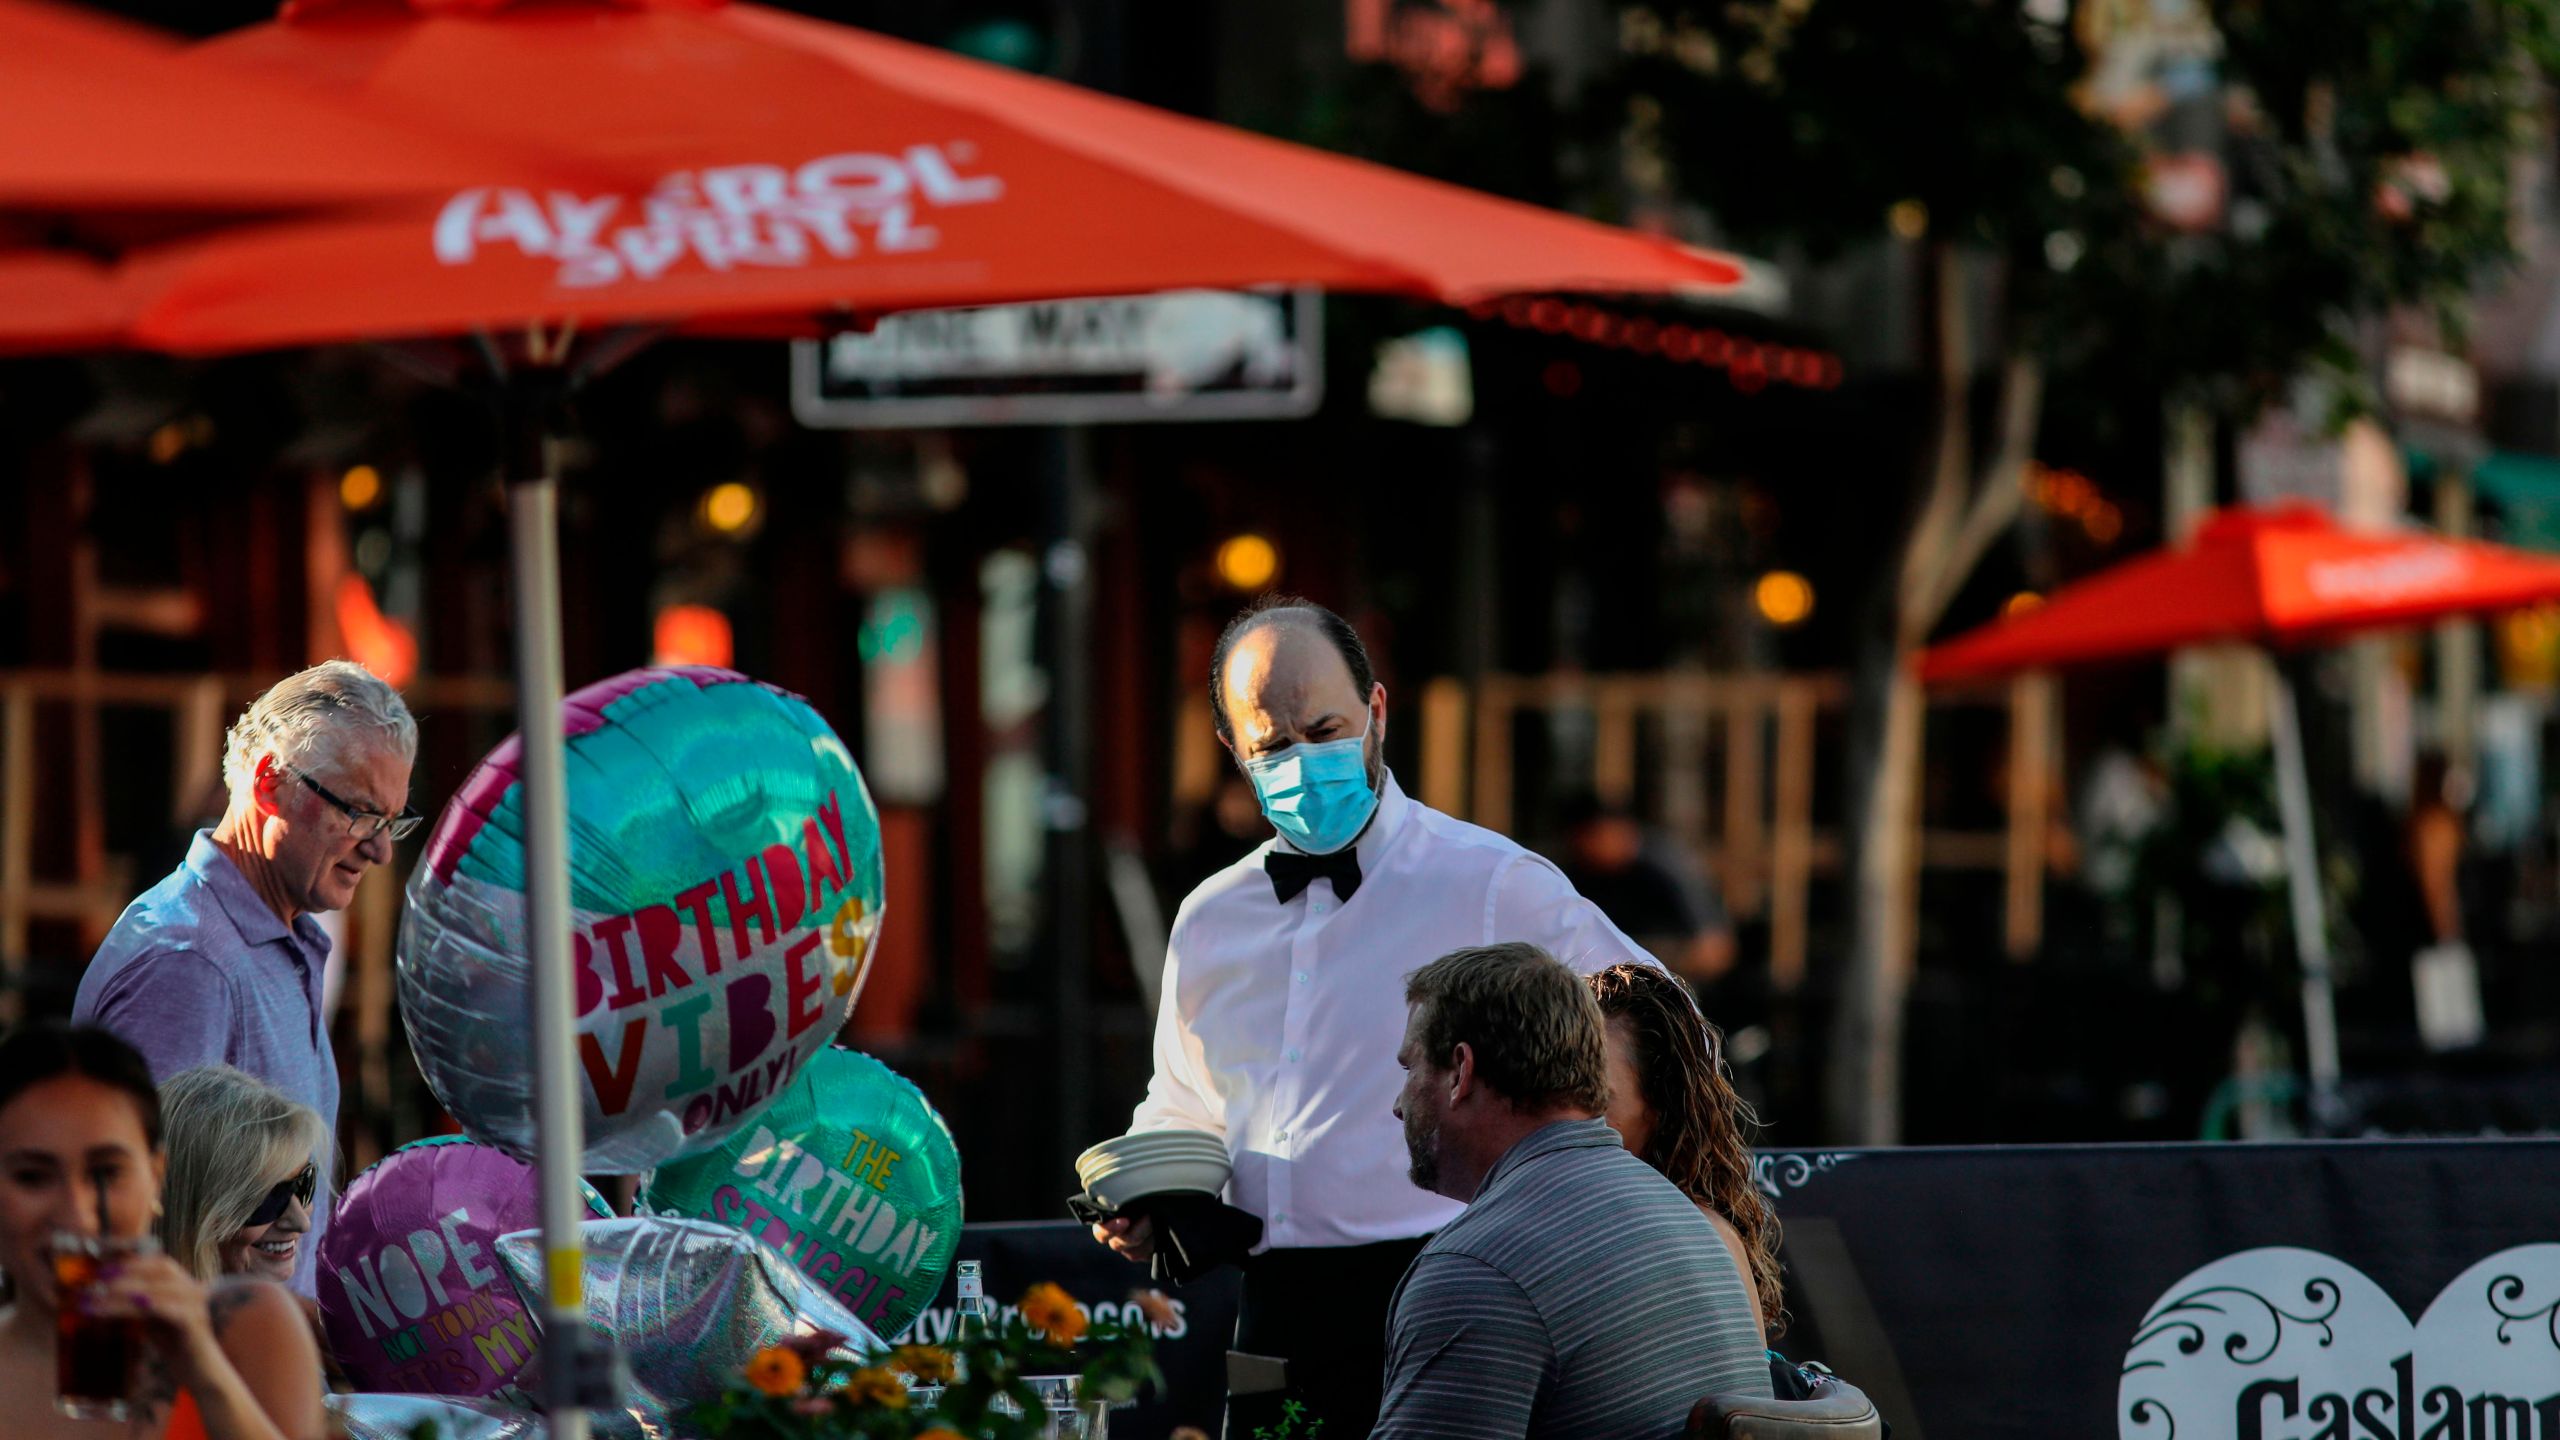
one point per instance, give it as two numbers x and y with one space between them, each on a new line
1292 872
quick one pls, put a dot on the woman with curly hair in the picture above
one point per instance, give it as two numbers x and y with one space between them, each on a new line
1675 1108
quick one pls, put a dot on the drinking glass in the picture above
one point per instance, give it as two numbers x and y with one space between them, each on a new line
94 1355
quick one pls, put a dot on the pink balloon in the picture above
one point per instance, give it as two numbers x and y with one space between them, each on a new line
411 1290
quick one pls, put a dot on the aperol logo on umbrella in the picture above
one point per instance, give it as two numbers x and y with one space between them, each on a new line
2394 575
833 207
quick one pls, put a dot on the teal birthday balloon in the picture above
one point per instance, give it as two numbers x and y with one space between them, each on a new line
725 889
851 1174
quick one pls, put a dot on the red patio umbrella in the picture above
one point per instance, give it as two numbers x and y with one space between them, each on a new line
57 300
102 121
113 136
803 175
804 172
2279 579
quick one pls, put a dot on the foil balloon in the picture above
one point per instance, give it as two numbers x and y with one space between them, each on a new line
725 885
688 1303
850 1174
411 1291
405 1417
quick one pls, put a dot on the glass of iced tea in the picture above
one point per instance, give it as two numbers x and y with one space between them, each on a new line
94 1355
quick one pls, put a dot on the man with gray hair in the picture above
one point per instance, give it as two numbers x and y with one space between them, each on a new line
222 962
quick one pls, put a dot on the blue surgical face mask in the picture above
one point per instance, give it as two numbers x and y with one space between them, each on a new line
1317 796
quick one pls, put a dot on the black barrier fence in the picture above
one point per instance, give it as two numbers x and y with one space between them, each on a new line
2361 1290
2345 1290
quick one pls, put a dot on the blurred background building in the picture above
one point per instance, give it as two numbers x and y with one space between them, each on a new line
1621 591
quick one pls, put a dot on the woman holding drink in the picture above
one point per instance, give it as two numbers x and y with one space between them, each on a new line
98 1324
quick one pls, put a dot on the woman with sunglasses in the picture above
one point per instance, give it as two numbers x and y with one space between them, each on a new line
244 1164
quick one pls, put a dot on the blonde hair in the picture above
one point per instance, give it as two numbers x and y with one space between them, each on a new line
232 1138
310 717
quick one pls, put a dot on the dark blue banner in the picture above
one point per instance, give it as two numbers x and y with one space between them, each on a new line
2383 1290
2344 1290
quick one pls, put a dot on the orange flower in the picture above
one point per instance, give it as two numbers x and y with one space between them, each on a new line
777 1371
874 1385
929 1364
938 1433
1158 1309
1052 1312
1180 1432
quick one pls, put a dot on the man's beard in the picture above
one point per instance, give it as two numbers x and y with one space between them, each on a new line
1422 1151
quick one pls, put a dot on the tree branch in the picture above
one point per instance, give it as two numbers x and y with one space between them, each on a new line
1996 503
1951 470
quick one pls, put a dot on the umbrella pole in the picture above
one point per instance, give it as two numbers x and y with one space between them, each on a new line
2310 927
559 1120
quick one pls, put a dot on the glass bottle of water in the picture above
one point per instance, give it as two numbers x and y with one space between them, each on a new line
973 1321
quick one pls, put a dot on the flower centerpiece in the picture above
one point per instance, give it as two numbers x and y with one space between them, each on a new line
978 1387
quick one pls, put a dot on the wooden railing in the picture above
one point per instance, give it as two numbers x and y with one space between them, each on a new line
1737 754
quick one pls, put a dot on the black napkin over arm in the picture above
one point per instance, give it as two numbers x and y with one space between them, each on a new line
1195 1233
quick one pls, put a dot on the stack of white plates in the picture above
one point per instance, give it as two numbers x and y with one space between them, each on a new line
1153 1162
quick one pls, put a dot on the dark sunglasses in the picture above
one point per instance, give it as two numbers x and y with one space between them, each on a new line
298 1186
366 823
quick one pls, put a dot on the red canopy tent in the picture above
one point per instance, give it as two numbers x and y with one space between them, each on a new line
2279 579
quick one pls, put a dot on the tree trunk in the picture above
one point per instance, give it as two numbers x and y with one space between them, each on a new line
1862 1102
1953 522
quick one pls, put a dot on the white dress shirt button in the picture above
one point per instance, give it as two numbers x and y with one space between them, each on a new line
1302 977
1293 1055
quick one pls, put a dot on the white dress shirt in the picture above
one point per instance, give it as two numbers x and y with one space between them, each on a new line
1279 1024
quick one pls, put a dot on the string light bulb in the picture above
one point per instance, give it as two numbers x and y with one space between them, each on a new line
360 487
1247 562
730 507
1783 598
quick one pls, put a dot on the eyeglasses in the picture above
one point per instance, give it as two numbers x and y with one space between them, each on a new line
366 823
298 1186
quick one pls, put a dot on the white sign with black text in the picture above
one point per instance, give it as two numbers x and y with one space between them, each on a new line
1178 355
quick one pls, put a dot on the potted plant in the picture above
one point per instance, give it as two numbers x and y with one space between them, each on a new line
1042 1371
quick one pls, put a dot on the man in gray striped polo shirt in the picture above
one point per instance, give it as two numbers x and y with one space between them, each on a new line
1580 1293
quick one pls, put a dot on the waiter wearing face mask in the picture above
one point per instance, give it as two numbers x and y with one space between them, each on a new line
1283 1004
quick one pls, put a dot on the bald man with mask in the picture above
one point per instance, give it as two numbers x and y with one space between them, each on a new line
1283 1001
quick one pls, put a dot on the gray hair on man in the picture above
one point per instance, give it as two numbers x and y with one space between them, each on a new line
311 718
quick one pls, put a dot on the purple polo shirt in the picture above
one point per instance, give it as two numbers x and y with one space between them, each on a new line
198 971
